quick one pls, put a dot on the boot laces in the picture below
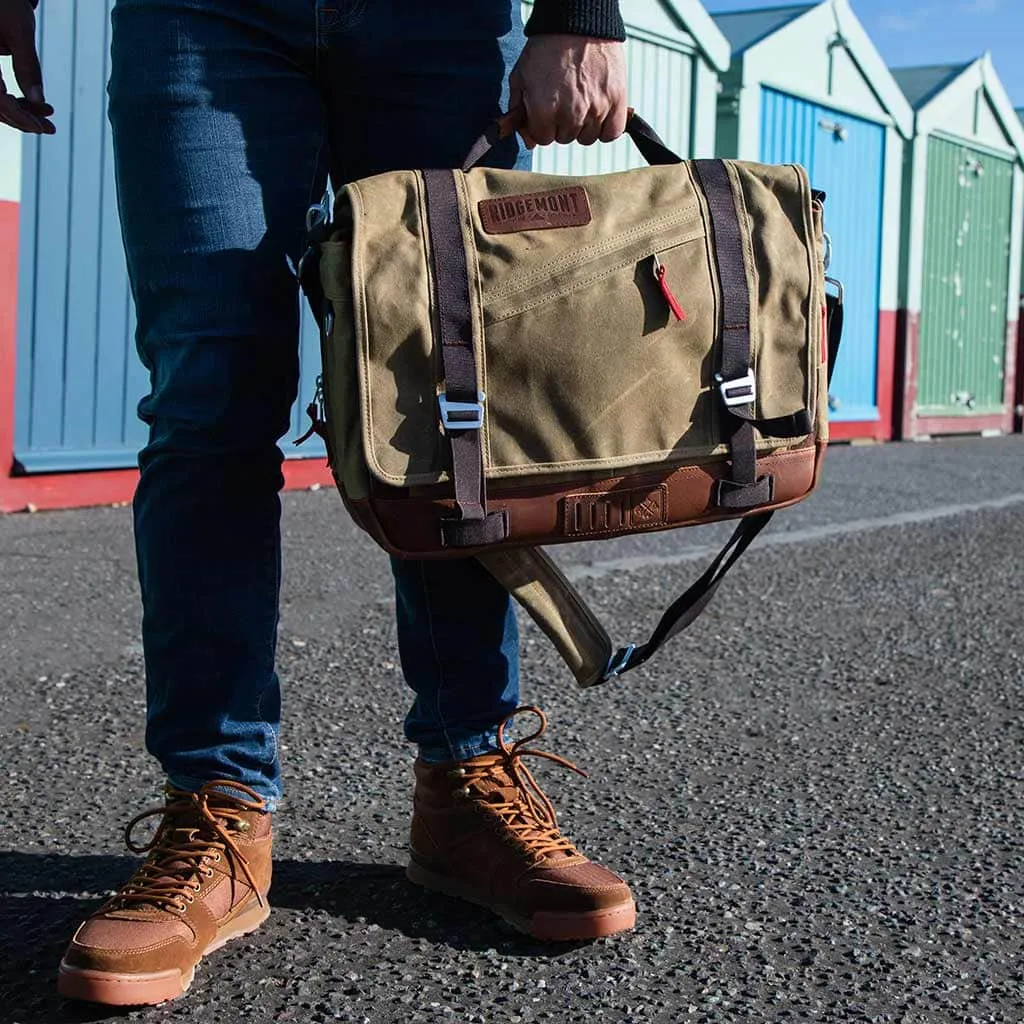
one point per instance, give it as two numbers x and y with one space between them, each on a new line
526 812
190 836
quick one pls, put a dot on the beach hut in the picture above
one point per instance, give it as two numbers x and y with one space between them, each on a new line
806 85
963 222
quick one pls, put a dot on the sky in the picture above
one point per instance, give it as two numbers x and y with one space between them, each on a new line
909 32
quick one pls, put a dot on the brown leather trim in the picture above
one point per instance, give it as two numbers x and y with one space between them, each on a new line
408 525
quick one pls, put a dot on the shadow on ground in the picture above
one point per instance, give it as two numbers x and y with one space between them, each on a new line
46 896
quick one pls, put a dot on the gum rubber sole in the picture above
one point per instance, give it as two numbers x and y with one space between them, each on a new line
547 926
123 989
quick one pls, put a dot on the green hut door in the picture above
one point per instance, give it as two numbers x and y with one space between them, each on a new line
968 210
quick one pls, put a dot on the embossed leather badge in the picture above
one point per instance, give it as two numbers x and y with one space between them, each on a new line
610 511
558 208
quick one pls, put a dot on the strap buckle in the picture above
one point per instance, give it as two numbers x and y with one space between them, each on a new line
617 664
461 415
739 390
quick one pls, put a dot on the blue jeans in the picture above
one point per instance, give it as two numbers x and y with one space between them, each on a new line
227 118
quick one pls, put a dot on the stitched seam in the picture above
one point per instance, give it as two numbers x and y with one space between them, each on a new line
713 456
638 458
363 346
814 323
139 949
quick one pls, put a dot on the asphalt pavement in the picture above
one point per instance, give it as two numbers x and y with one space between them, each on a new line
817 793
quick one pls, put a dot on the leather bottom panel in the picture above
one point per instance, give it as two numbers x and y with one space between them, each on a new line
407 524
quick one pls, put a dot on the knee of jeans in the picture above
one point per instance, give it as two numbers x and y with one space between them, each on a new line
218 394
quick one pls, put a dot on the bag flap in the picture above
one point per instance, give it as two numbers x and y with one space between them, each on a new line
583 363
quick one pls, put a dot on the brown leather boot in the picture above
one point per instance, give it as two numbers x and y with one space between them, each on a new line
484 831
204 882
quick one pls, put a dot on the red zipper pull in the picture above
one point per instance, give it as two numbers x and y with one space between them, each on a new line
673 302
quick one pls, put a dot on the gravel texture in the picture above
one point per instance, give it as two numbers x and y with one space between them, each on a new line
817 793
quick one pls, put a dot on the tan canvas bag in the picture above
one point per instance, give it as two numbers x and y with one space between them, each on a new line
514 359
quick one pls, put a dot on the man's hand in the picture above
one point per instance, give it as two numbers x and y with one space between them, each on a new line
29 112
572 88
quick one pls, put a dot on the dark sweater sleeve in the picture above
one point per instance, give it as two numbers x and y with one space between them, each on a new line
599 19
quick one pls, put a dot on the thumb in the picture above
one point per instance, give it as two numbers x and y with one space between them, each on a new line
515 93
517 99
27 72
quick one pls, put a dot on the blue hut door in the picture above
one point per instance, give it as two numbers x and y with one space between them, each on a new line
845 157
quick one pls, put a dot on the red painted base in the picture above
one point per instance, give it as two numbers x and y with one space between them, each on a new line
1018 396
928 426
80 490
912 425
859 430
881 429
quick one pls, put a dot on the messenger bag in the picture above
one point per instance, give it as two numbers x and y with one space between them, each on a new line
514 359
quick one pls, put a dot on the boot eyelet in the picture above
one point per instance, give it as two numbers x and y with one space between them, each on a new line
208 872
456 773
243 826
217 858
463 793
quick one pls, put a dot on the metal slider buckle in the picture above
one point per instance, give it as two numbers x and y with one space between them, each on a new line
470 415
617 667
739 390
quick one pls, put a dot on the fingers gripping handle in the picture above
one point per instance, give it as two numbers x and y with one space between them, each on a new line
644 137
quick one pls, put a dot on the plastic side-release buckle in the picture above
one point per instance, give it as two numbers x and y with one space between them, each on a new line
739 390
462 415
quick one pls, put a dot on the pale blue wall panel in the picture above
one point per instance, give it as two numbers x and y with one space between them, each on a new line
309 370
86 142
50 222
845 157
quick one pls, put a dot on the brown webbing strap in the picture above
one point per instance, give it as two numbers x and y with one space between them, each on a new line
461 404
741 489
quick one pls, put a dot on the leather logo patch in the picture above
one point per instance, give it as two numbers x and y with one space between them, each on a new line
558 208
614 511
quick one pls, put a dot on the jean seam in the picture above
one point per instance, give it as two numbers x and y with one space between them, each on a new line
437 660
271 760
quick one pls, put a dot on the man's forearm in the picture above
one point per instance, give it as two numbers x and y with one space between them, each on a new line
598 19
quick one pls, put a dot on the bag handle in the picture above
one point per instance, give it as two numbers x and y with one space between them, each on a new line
644 137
